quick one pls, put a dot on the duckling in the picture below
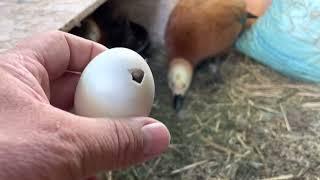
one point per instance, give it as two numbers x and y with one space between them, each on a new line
89 29
195 31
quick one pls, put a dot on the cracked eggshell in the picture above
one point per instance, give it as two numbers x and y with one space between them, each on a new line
109 86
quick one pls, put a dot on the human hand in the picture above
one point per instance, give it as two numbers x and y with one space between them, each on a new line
39 140
287 39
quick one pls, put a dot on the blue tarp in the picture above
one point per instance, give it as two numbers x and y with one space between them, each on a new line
287 39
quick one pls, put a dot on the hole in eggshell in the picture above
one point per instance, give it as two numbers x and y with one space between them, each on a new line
137 75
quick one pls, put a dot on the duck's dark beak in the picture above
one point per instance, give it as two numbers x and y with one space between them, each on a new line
178 102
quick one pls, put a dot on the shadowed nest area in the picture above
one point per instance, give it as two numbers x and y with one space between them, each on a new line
256 124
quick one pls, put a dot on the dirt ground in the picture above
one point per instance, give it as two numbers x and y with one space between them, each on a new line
257 124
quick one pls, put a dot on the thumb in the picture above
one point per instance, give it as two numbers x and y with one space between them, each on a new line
107 144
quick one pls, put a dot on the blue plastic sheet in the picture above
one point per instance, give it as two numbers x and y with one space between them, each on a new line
287 39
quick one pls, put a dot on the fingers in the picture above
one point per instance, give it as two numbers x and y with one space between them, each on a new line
114 144
63 89
59 51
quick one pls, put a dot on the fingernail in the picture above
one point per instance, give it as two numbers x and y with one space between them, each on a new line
156 139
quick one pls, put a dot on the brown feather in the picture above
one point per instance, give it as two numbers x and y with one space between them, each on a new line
199 29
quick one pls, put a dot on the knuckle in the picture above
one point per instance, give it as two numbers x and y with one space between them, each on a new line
70 150
53 33
128 143
108 145
58 143
42 154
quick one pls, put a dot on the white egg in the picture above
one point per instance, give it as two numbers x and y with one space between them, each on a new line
117 83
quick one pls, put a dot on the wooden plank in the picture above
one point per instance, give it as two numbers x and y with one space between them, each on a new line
22 18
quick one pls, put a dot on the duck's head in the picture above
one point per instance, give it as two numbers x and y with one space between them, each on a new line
179 78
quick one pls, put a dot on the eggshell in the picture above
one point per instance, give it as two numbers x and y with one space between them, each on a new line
106 87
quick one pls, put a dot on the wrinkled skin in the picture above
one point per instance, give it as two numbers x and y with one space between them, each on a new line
39 140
